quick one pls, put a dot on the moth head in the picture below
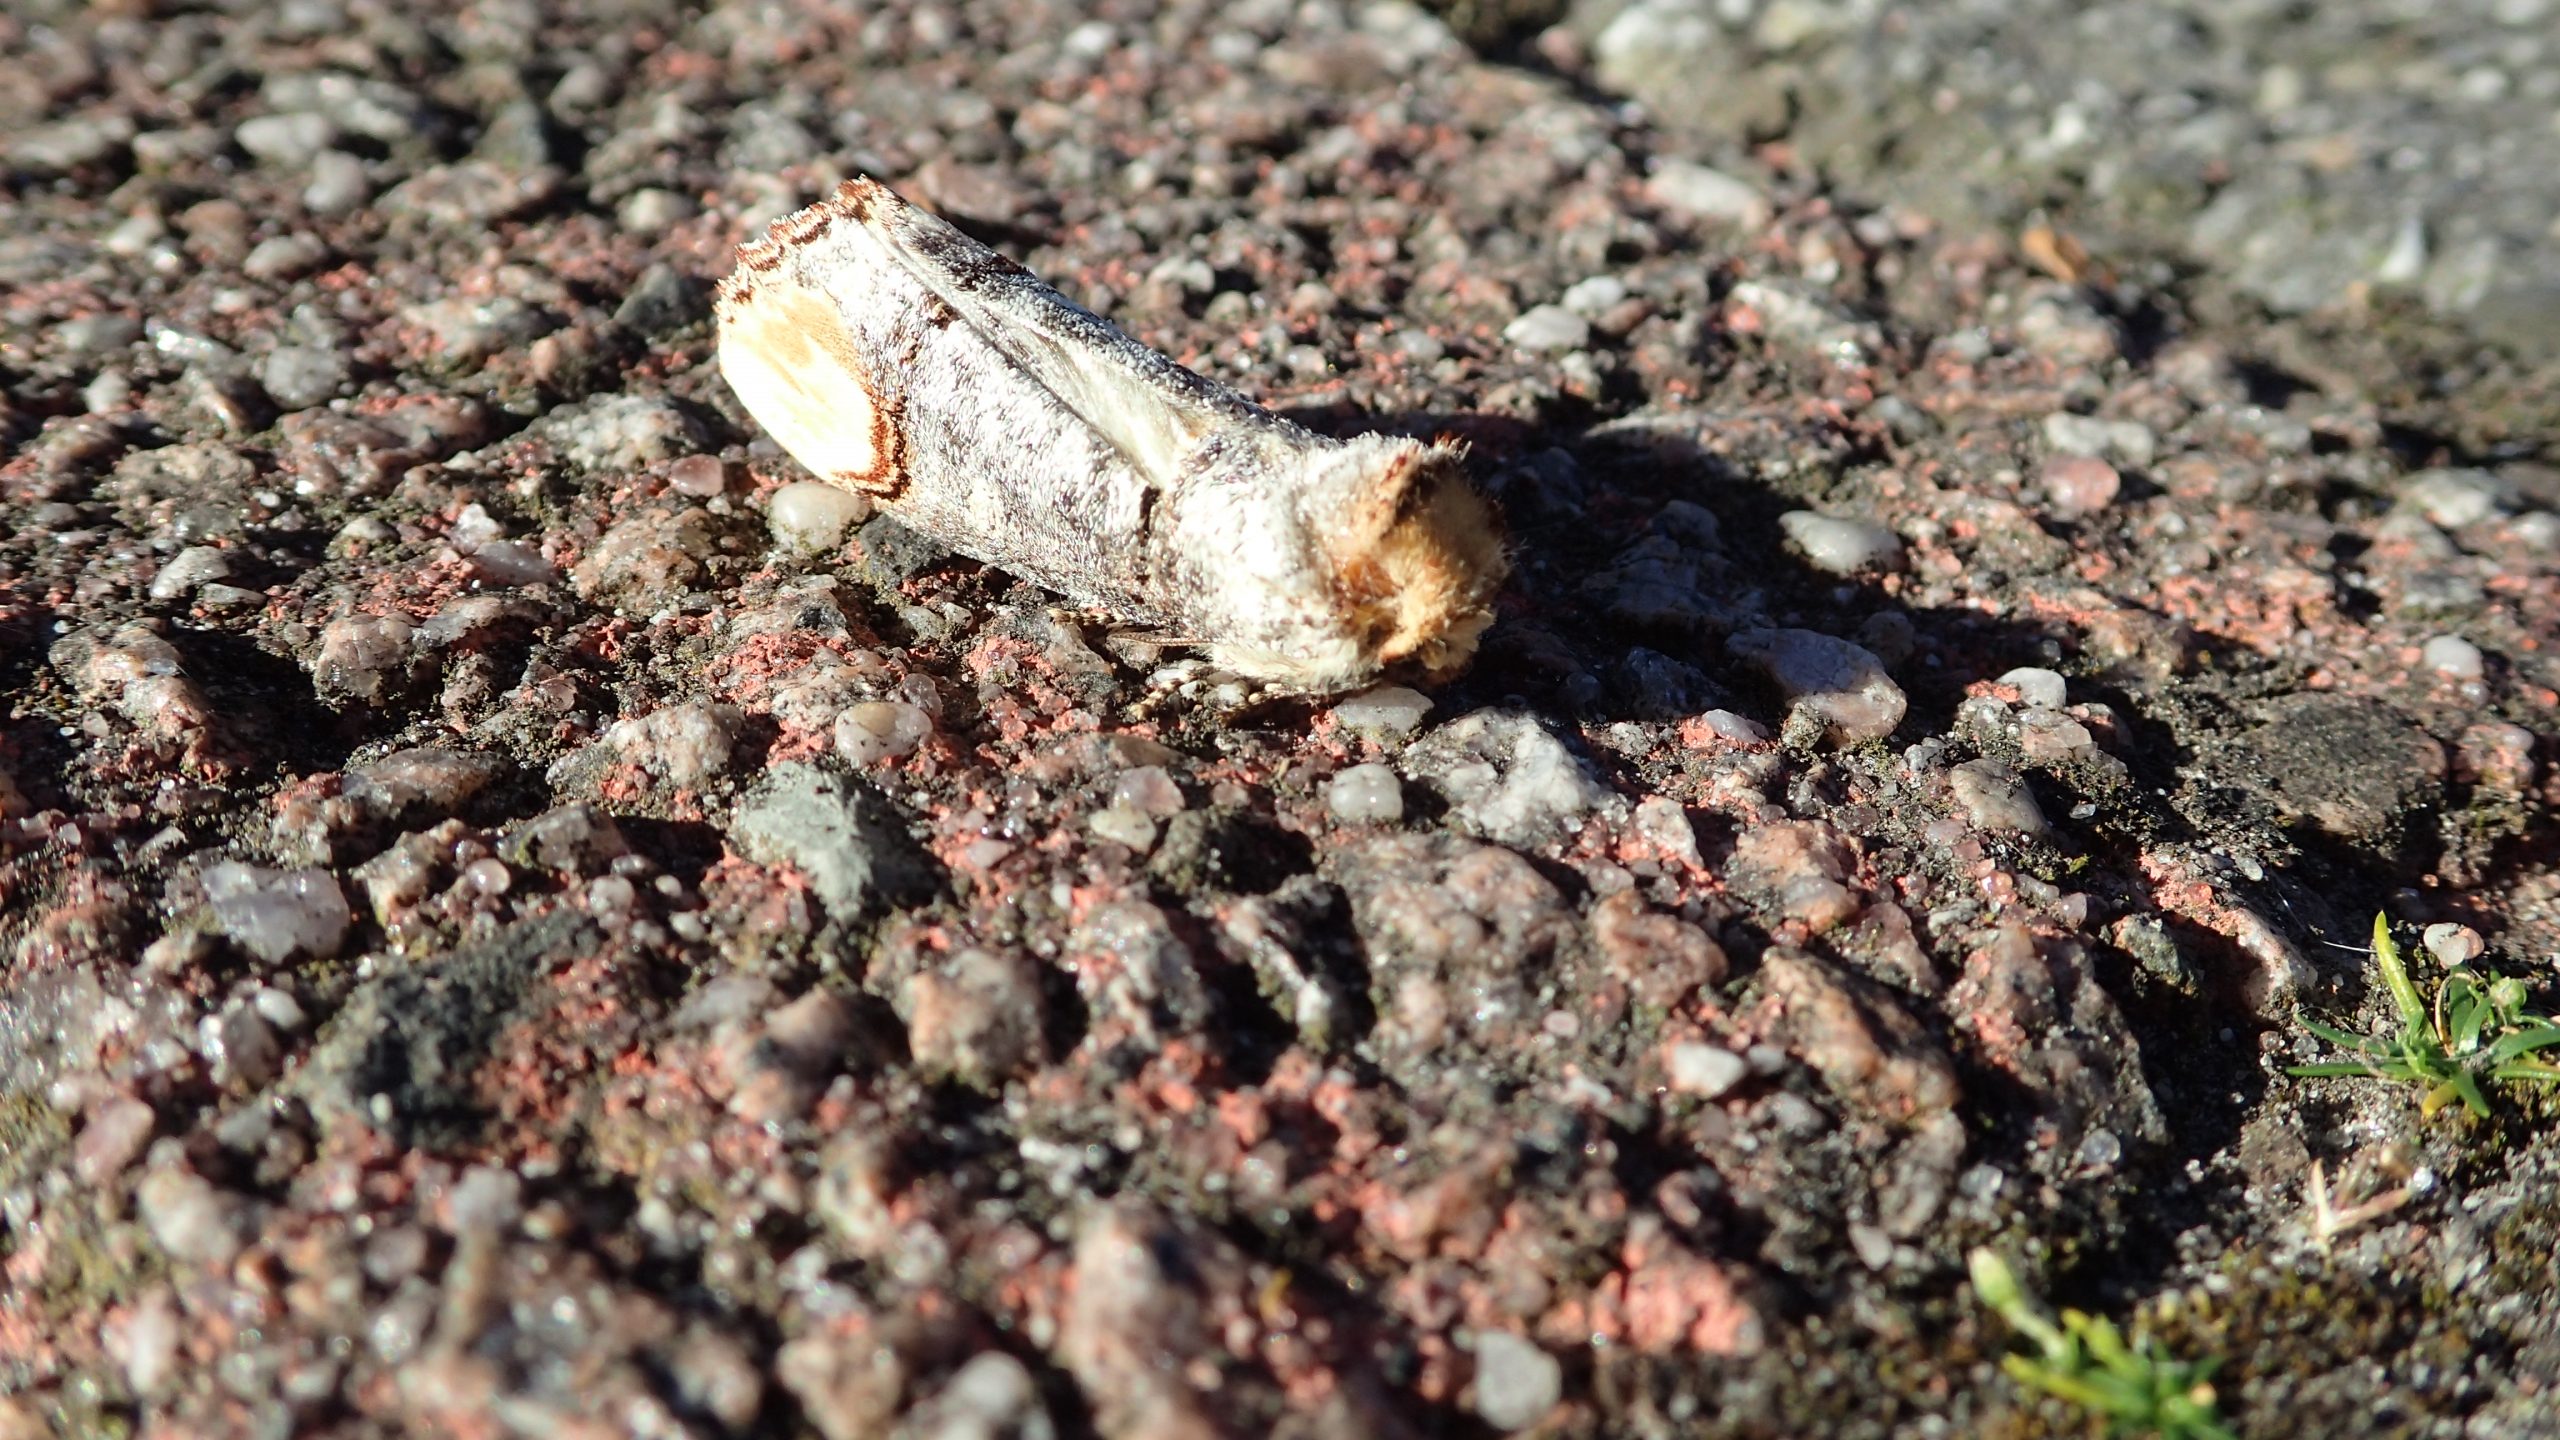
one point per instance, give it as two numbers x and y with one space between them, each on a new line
1414 553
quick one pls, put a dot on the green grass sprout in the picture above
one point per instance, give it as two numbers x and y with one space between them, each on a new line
2133 1385
2474 1029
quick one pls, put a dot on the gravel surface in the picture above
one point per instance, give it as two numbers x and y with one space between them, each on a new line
521 916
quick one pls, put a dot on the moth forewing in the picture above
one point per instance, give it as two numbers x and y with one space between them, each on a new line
893 355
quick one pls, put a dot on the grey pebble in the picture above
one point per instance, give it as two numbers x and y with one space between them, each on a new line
1842 547
287 141
1548 329
301 376
839 832
1699 192
338 184
1516 1382
189 568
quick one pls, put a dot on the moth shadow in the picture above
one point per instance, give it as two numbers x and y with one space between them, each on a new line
1653 559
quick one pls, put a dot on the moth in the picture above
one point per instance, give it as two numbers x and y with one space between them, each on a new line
898 358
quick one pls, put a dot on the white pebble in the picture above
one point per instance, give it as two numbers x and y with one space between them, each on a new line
1366 795
877 730
610 895
146 1343
2452 657
1841 687
189 568
2454 945
1147 789
2126 442
1734 729
1516 1382
2455 498
1389 712
1703 1070
1548 329
1132 828
811 517
1842 547
275 914
1704 194
1594 297
2038 688
686 743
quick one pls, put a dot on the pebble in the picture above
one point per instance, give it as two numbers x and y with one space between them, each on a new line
190 1219
647 560
2538 532
1369 794
69 145
1517 1383
2038 688
624 432
2078 486
1390 712
1725 726
241 1046
1507 779
1124 826
684 744
146 1343
1842 547
97 335
1548 330
288 142
698 477
664 300
878 730
572 839
362 656
1996 797
2453 945
338 184
1841 685
301 376
189 568
486 1200
1594 297
992 1396
976 1018
282 257
277 914
1705 194
652 211
2454 498
2453 657
1798 867
116 1135
839 832
1149 790
2125 442
811 517
1704 1070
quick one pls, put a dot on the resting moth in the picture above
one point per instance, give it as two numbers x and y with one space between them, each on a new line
898 358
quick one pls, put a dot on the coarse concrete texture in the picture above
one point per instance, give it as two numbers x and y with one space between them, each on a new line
518 916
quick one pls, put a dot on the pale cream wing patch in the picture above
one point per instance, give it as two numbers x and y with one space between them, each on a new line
785 349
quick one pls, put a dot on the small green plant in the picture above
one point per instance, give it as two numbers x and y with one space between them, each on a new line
2476 1028
2136 1387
